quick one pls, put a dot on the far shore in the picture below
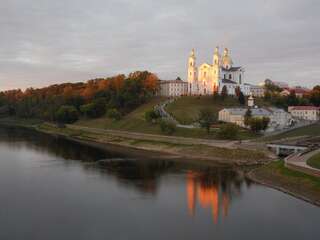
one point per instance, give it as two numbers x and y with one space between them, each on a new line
261 171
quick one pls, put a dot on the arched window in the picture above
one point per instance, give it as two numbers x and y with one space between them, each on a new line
240 79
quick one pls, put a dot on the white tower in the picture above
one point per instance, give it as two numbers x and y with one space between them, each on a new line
216 70
192 74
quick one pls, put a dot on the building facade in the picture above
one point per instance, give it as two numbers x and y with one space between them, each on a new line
309 113
210 78
257 91
279 118
173 88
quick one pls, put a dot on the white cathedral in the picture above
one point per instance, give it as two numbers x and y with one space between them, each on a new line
210 78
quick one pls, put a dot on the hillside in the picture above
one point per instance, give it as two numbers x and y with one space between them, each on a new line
186 109
135 121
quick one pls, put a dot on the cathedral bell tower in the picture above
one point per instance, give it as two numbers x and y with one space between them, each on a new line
192 73
216 70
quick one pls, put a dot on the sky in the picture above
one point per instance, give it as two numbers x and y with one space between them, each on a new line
44 42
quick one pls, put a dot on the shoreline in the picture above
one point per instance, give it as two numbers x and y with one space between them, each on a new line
270 179
145 151
162 146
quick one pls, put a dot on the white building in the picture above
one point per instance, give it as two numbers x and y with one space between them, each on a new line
210 78
173 88
309 113
257 91
279 118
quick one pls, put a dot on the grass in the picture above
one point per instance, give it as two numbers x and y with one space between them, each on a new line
311 130
314 161
225 155
19 121
186 109
135 122
298 183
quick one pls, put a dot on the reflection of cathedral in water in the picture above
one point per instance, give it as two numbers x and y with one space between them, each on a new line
211 193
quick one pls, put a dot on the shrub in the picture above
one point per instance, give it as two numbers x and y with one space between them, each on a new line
167 127
114 114
66 114
206 118
228 131
95 109
151 116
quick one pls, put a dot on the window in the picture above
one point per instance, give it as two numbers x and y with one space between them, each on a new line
240 79
230 76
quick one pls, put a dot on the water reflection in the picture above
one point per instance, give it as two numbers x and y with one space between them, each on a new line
213 190
110 196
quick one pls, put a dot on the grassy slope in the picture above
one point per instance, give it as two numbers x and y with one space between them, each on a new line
276 174
135 122
312 130
186 109
314 161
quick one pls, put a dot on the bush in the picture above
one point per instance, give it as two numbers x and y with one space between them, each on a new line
167 127
151 116
228 131
206 118
114 114
66 114
95 109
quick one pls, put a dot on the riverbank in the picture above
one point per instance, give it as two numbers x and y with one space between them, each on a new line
271 174
297 184
219 152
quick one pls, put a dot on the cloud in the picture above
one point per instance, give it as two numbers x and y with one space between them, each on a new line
45 42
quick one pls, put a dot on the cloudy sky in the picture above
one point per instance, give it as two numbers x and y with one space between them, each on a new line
44 41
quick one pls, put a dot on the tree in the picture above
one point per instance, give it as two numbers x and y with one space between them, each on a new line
247 117
241 98
224 92
67 114
315 96
114 114
95 109
256 124
167 127
265 123
206 118
228 131
151 116
237 91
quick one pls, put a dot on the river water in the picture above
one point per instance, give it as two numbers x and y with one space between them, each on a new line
52 188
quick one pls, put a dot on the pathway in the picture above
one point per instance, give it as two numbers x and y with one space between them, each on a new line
298 161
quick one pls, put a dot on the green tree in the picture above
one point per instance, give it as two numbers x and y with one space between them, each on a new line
228 131
151 116
265 123
206 118
241 98
95 109
224 92
247 117
256 124
167 127
114 114
67 114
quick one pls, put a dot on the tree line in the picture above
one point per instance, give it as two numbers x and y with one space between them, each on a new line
66 102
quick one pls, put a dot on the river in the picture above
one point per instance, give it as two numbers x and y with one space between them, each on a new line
51 188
